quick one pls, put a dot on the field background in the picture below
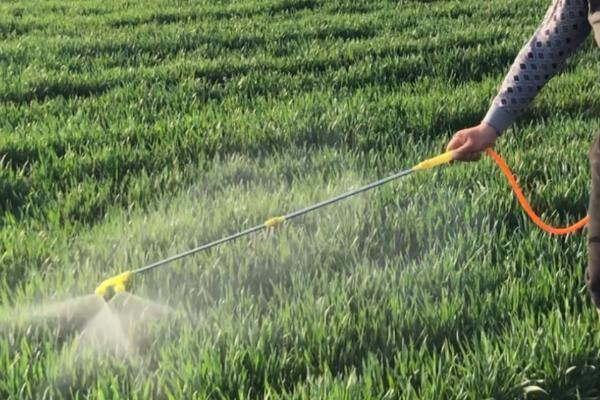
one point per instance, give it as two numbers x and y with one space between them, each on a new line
130 130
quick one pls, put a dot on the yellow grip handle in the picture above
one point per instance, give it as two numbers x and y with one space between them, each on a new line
435 161
273 222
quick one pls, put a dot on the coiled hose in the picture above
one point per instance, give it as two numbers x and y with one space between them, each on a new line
525 204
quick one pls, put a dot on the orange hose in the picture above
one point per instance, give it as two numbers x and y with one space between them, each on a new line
525 204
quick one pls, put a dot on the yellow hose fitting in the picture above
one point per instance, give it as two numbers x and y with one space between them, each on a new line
114 285
435 161
273 222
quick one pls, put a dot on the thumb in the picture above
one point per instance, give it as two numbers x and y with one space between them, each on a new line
464 149
456 142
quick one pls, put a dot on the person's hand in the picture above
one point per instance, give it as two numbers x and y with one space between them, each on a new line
469 143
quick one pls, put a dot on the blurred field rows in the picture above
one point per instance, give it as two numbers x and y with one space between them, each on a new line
132 130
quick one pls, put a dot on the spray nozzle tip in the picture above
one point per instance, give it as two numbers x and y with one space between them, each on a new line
111 286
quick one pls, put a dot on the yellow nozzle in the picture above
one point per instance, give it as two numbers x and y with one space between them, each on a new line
114 285
435 161
273 222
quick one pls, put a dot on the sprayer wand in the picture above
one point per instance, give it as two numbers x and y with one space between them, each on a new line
119 283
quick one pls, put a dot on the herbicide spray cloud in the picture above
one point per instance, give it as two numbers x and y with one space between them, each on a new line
112 322
90 328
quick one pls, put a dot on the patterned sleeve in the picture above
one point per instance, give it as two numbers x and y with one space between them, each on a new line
564 28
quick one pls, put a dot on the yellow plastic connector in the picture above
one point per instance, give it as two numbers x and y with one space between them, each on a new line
273 222
435 161
114 285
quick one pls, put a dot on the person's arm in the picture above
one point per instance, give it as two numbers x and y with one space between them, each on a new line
562 31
